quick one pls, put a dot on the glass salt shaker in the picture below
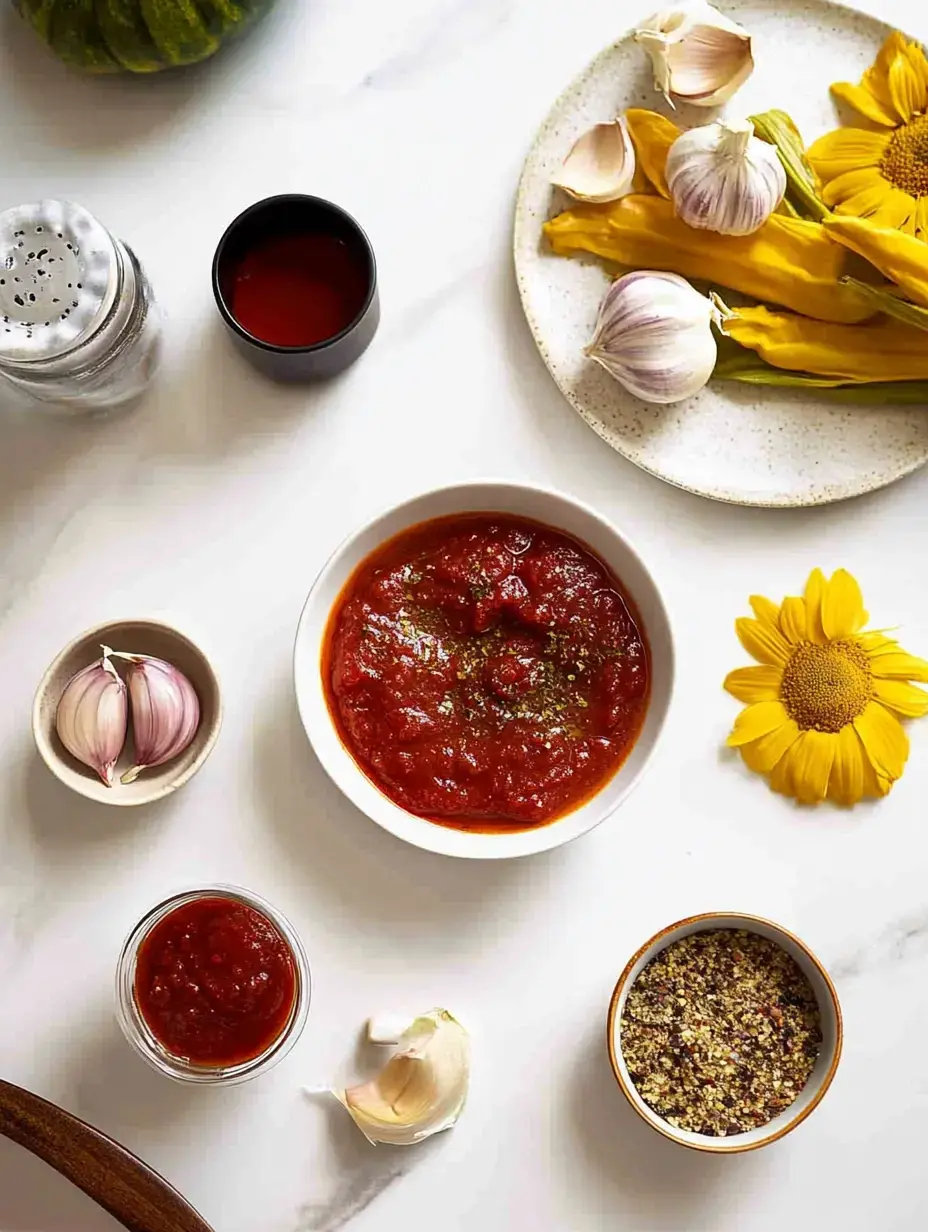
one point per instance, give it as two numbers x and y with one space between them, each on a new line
79 326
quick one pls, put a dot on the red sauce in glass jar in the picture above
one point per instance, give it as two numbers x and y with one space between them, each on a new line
486 672
215 982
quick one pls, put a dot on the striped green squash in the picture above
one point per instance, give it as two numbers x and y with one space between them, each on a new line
137 36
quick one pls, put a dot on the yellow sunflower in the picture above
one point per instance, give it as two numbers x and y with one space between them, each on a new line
882 174
822 714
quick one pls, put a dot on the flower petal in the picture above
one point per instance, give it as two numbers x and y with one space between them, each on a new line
905 87
849 183
843 612
897 208
847 149
781 776
865 203
910 226
762 755
864 103
903 698
756 721
793 619
765 643
765 610
917 59
876 642
885 742
846 785
895 664
815 588
812 758
754 684
875 785
921 218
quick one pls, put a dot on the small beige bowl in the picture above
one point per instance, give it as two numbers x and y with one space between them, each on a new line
819 1080
136 637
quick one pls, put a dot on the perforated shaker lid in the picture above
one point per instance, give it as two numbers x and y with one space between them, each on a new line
58 278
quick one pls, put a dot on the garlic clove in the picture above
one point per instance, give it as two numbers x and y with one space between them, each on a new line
92 716
654 335
601 164
722 178
699 56
165 711
421 1090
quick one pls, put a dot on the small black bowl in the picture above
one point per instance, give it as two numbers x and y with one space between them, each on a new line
294 214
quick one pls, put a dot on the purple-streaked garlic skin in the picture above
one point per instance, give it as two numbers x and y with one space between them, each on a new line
165 712
92 717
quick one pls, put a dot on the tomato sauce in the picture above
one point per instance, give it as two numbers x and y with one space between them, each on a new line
215 982
486 672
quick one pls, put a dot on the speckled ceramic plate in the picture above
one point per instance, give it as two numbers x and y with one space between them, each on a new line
734 443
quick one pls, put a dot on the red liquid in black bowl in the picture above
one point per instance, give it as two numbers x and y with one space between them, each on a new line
298 290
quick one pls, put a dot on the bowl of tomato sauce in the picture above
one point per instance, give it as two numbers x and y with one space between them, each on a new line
213 986
485 670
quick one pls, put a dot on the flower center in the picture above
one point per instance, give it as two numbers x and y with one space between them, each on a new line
826 687
905 162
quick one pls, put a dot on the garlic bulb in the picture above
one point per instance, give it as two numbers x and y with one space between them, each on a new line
92 716
698 55
422 1088
601 164
723 178
165 711
654 335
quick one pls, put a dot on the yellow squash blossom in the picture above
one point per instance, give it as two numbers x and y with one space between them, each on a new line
882 175
823 710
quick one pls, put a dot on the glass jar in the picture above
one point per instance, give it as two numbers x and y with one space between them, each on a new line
143 1038
79 327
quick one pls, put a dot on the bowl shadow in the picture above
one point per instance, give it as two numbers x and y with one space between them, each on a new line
662 1186
391 882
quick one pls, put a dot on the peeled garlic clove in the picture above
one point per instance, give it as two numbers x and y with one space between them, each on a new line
654 335
422 1088
722 178
699 56
165 711
92 716
601 165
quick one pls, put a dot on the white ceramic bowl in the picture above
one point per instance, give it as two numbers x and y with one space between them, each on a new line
559 511
826 1065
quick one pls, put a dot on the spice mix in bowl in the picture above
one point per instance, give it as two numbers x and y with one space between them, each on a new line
724 1032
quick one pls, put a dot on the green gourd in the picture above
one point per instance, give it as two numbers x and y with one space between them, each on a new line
137 36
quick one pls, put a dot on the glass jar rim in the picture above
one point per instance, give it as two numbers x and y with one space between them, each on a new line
143 1040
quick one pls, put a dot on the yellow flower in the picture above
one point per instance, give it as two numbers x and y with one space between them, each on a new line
822 713
882 174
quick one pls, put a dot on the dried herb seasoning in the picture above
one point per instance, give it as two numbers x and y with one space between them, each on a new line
720 1032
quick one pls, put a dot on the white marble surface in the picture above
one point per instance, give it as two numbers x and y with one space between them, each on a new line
215 504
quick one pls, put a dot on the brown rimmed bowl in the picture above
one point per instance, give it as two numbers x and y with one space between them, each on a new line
819 1080
148 637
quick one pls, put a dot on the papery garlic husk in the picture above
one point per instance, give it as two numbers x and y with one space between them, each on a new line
92 716
699 56
165 711
654 335
601 164
722 178
421 1090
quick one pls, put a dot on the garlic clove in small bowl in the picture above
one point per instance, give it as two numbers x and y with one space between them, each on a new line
141 637
600 166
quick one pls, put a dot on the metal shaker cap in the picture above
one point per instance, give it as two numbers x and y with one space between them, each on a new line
58 279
